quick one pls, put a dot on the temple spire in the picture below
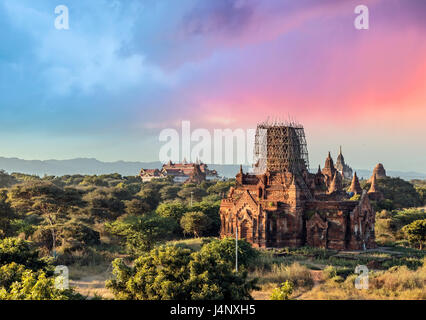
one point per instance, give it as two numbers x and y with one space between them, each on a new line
336 183
355 186
373 188
332 187
319 169
340 160
329 168
329 162
379 171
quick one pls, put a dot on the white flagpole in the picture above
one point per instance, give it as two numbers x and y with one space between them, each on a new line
236 249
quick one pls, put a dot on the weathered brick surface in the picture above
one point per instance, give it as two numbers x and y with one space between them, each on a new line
274 210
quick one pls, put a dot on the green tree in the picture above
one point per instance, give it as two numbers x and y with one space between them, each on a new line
95 181
197 193
6 180
103 205
401 218
224 250
221 187
10 273
171 272
6 215
213 198
416 232
141 233
174 210
70 236
210 209
136 206
421 191
397 192
24 276
195 222
36 197
161 274
213 276
20 251
149 194
130 188
169 192
31 285
283 292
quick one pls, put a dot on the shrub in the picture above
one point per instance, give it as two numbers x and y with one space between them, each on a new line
283 292
195 223
136 207
174 210
299 275
69 237
6 180
19 251
211 210
337 279
216 279
6 215
196 192
329 272
140 234
10 273
401 218
169 192
355 197
221 187
157 275
224 250
416 232
170 272
398 282
103 205
31 285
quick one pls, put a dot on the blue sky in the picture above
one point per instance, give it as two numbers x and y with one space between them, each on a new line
127 69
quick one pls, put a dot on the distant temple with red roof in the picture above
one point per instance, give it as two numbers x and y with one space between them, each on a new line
181 172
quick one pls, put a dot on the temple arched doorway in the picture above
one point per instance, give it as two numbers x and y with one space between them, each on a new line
246 233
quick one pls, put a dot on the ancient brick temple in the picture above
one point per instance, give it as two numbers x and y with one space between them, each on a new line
343 167
282 204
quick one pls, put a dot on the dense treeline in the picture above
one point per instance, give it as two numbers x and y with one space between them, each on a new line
74 216
397 193
70 215
399 214
89 221
406 227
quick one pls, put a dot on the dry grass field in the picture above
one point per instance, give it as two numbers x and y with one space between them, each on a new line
90 281
317 274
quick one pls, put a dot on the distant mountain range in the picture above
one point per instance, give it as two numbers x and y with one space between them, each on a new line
93 166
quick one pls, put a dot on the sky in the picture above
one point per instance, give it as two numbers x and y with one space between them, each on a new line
126 69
